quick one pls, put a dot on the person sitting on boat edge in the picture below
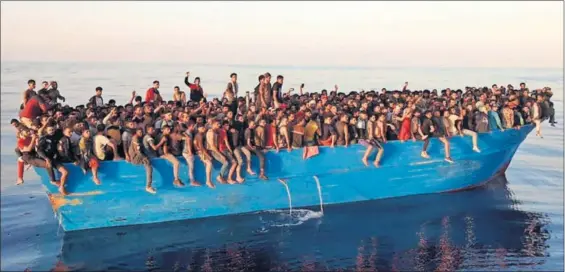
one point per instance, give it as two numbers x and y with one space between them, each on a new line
255 149
164 152
87 158
203 154
188 152
137 157
429 130
212 144
47 150
226 149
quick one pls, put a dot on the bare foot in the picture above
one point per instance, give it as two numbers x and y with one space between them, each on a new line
448 159
210 184
150 190
240 180
476 149
221 180
250 172
195 183
263 177
19 181
425 155
63 191
377 164
178 183
231 181
96 181
56 183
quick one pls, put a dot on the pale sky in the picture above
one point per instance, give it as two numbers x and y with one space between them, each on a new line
368 34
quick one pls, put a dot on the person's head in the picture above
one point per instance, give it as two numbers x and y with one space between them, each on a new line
215 124
130 124
280 79
428 114
54 84
50 129
197 80
14 122
344 118
167 116
98 91
68 131
86 133
262 122
522 85
261 78
166 130
31 84
150 129
138 132
251 124
156 84
176 89
100 128
233 77
229 115
267 77
417 114
327 119
226 125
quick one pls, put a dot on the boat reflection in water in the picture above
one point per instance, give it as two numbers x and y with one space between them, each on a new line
477 229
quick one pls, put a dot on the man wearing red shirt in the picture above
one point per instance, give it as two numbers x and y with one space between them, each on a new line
152 94
34 108
196 91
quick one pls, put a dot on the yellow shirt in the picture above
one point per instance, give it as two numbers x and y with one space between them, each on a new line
310 131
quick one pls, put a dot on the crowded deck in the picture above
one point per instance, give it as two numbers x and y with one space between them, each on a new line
236 127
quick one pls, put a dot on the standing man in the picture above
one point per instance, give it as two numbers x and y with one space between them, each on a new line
196 91
152 94
233 84
257 95
28 93
277 91
97 100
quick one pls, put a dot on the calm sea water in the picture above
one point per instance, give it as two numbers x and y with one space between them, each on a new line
514 223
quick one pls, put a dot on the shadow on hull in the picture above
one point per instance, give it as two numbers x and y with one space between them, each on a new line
442 231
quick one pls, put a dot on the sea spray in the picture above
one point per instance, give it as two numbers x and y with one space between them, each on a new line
319 194
288 193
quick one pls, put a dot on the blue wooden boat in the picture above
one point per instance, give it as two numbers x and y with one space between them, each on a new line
403 222
335 176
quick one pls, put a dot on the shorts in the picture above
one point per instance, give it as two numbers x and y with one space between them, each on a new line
93 163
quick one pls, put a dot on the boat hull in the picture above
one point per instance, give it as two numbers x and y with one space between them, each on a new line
341 178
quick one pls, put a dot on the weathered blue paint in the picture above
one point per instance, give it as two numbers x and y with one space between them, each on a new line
486 221
121 199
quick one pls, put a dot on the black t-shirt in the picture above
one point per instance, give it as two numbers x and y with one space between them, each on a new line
161 150
426 126
233 136
327 131
277 87
439 127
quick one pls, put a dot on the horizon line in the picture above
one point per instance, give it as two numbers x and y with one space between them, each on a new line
283 65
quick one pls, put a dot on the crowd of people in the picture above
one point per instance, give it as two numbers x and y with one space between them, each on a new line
235 127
